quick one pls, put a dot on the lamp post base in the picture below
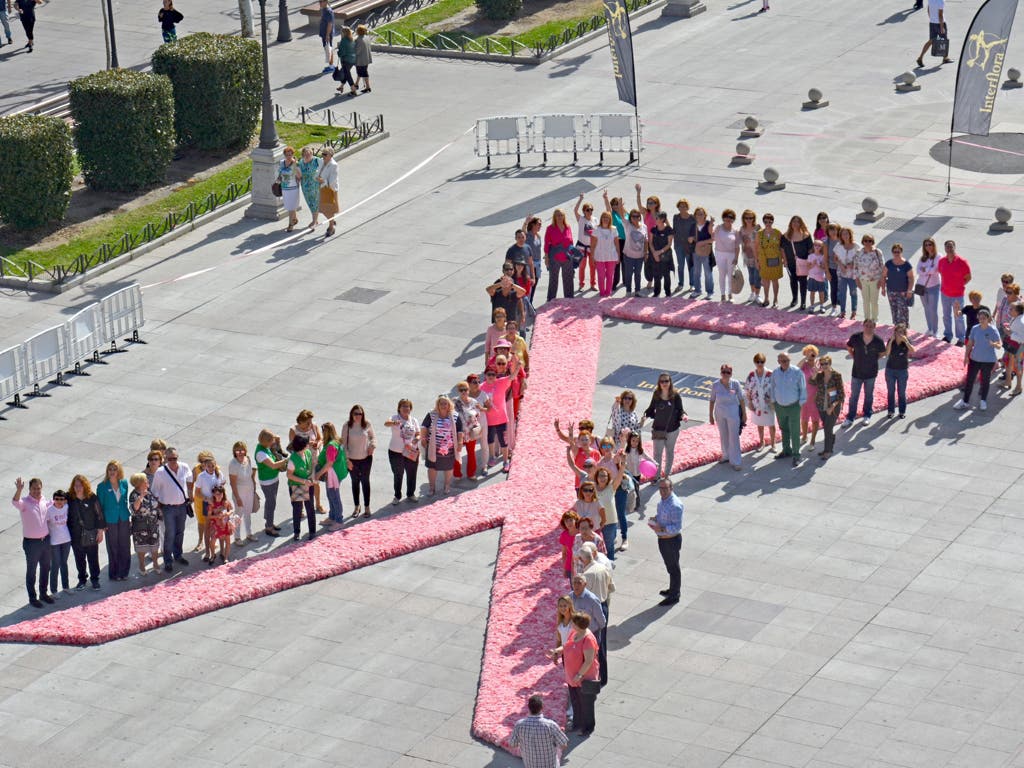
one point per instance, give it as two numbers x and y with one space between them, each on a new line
264 205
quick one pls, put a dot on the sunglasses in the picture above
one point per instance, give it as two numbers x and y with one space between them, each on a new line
627 397
768 218
664 381
507 270
729 218
491 375
463 389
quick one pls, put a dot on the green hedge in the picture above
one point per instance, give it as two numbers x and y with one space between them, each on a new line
499 10
218 88
35 173
125 128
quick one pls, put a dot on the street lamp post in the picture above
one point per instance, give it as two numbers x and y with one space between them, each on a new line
266 158
110 30
284 31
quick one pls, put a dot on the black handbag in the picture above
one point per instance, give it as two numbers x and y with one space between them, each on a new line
920 290
590 687
940 47
276 189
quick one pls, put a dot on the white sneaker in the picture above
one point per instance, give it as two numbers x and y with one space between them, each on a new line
866 421
983 405
848 423
961 405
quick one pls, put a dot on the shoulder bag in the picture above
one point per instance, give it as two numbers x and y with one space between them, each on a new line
188 502
89 536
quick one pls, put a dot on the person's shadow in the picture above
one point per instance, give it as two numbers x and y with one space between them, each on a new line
898 17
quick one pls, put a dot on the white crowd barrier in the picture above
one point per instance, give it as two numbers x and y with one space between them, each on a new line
558 133
46 356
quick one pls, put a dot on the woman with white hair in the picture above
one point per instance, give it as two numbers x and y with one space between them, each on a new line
441 433
329 188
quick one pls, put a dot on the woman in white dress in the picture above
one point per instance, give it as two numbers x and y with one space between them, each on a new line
759 400
242 476
727 245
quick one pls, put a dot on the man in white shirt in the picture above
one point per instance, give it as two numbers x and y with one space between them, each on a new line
172 487
936 28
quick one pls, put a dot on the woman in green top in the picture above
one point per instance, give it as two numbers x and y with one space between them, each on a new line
335 469
300 480
309 167
347 60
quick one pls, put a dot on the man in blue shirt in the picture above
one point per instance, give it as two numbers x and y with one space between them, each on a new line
668 525
789 393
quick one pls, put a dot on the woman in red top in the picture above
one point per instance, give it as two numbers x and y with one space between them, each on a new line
557 241
579 653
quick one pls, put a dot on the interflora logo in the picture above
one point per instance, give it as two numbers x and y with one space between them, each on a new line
987 53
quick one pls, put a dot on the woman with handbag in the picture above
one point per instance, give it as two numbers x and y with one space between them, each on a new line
928 284
703 255
727 248
359 441
748 246
828 398
846 269
769 259
897 370
796 244
85 520
289 177
582 672
441 435
557 261
329 189
346 60
899 286
727 410
468 410
147 520
869 269
404 450
666 413
301 465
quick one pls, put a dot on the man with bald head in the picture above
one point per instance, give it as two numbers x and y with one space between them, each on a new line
789 393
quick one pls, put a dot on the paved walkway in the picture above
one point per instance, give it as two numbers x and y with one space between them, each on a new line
864 613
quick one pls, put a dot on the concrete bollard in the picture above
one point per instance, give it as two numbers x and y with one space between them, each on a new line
751 128
1013 79
771 181
870 211
1002 222
815 100
908 83
743 156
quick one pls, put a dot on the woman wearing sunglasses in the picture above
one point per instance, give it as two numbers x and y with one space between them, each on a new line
624 418
666 413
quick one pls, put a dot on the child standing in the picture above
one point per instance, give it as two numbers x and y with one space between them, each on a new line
168 16
817 278
220 525
208 478
60 541
147 519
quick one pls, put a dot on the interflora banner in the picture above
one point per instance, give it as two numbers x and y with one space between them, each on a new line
981 66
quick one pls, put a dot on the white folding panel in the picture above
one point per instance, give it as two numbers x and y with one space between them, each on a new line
46 354
86 333
122 312
502 136
12 372
560 133
616 132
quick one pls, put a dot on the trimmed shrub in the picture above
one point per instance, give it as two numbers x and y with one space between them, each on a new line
499 10
218 88
35 174
125 128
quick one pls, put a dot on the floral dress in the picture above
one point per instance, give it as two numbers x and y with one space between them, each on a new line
759 394
146 521
310 183
770 261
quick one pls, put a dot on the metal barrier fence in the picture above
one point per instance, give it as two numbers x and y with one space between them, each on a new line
558 133
24 367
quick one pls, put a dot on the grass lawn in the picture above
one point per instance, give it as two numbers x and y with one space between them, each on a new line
109 228
419 21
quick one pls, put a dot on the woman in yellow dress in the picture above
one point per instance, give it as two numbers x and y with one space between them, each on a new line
769 258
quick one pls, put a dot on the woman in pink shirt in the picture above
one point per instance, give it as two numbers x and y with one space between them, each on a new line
579 652
497 386
557 242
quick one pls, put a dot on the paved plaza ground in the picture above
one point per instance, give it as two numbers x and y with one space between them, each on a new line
865 613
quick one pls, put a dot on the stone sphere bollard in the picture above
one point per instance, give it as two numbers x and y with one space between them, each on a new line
771 181
743 149
908 78
742 156
751 128
814 94
751 121
1013 73
1013 79
815 99
907 82
1002 222
869 204
771 175
869 210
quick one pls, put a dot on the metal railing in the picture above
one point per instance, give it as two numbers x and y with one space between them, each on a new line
355 129
490 45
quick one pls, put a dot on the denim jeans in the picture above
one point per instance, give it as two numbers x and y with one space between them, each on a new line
684 267
847 286
930 302
702 266
949 323
868 385
5 22
621 497
174 531
335 512
37 561
632 269
754 278
896 381
608 534
59 565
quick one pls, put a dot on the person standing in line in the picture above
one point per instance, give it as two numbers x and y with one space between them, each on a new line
585 229
146 521
346 60
666 413
4 7
557 242
301 466
360 442
897 370
172 486
540 740
899 285
534 244
936 28
727 246
759 400
404 450
829 396
309 170
169 16
326 35
604 253
660 247
869 271
330 189
85 520
634 249
956 274
748 245
769 258
809 417
866 349
335 466
242 478
60 541
684 235
599 581
27 14
727 409
35 540
651 208
845 253
290 177
831 241
796 245
928 280
271 460
363 57
668 526
817 277
579 652
980 355
789 393
113 496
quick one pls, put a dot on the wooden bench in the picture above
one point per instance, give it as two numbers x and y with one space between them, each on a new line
343 11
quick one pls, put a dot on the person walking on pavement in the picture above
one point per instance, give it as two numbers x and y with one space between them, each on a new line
668 525
363 58
35 539
27 14
936 28
789 393
346 60
327 35
539 739
169 16
4 8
